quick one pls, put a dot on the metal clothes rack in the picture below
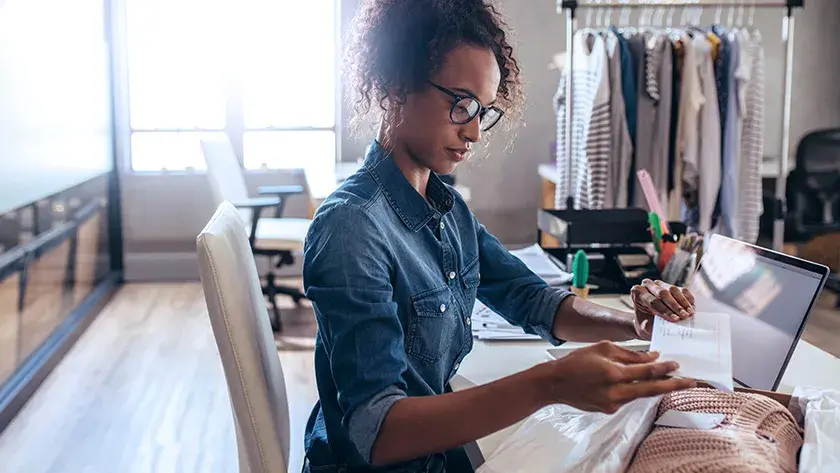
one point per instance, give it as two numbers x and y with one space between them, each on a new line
571 6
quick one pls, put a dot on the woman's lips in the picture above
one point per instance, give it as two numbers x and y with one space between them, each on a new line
458 154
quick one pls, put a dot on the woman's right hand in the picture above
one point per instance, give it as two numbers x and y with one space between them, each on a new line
604 376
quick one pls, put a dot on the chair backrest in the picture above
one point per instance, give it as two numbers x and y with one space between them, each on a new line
11 266
246 344
816 178
227 182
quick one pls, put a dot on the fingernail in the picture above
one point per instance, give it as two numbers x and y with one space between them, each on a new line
654 354
674 366
683 313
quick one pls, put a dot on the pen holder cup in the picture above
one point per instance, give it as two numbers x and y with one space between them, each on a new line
582 292
680 268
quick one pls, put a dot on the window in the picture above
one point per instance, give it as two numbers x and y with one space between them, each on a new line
261 71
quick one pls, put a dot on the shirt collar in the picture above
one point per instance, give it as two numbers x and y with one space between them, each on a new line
412 208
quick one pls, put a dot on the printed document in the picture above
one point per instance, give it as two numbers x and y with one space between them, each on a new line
702 345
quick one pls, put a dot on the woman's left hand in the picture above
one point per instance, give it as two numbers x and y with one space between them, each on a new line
657 298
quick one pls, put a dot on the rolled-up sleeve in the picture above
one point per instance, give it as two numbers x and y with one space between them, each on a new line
347 277
509 288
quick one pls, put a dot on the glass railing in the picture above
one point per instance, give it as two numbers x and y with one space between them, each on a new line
50 267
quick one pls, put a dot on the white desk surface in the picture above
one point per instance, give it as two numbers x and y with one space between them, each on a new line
491 360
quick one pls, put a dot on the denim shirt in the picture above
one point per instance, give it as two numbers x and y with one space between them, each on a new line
393 280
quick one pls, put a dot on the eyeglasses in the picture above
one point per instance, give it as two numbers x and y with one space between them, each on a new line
466 107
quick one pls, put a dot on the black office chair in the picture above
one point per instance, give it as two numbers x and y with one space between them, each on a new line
276 238
813 192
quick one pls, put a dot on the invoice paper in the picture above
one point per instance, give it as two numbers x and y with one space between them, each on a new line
702 345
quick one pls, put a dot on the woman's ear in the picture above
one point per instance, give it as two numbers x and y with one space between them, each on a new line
392 100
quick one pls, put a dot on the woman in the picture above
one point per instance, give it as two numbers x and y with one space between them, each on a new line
394 261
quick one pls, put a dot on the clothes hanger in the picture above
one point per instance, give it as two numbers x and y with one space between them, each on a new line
731 18
624 17
599 17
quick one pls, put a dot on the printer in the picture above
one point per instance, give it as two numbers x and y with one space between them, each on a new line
616 242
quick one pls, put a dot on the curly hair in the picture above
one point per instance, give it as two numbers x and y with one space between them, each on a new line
395 46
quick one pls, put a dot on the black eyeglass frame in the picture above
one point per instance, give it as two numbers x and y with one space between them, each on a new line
482 110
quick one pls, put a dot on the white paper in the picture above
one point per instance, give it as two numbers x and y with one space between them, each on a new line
690 420
538 261
702 345
488 325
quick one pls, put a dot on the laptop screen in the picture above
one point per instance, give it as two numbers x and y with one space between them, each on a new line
768 297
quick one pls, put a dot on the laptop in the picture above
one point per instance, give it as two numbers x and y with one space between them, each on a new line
768 296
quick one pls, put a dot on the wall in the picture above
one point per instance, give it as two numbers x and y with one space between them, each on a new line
55 110
505 186
164 213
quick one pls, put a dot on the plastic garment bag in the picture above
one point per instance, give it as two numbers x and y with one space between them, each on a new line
821 451
559 438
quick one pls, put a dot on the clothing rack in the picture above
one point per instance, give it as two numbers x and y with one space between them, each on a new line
571 6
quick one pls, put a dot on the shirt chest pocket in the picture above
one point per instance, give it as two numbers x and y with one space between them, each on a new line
470 276
433 324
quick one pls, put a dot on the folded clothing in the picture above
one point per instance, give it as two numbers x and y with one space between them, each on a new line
757 435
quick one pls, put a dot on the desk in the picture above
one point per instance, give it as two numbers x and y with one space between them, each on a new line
491 360
550 177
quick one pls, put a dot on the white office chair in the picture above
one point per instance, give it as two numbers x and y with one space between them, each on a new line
252 368
277 237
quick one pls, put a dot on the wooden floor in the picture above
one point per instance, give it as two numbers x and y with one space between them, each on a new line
143 390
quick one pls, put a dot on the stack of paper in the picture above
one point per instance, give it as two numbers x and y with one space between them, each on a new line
488 325
543 265
702 345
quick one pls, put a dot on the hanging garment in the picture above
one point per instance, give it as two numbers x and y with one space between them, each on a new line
752 140
590 125
702 169
676 70
621 145
599 136
628 82
654 114
727 224
688 132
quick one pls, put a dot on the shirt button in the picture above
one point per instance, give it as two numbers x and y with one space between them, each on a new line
442 225
457 365
469 321
443 307
452 275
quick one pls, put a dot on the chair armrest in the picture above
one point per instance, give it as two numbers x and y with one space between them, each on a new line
280 191
256 203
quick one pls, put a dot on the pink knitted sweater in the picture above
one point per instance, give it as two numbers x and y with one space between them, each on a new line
758 435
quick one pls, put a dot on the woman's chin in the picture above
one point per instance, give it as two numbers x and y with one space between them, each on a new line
445 167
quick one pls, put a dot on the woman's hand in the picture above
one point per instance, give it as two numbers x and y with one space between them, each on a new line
604 376
652 298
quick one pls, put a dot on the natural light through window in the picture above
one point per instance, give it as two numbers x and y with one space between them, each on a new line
261 71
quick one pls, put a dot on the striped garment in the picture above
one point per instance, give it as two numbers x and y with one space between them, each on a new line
752 140
591 132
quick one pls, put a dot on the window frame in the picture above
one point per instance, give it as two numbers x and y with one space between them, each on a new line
234 128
